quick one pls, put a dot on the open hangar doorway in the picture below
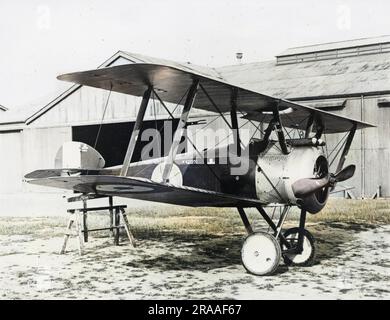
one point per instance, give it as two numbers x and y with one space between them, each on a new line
114 138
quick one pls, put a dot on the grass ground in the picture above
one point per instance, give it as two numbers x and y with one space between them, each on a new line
214 221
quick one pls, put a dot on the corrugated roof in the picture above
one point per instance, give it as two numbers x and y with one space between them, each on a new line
335 45
337 77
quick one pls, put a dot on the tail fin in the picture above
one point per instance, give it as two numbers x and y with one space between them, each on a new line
78 155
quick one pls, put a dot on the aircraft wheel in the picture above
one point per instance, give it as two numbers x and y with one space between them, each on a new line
307 256
261 253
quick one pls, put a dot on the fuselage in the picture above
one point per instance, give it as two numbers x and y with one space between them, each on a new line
267 174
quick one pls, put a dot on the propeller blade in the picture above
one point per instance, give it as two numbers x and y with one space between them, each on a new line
345 173
303 187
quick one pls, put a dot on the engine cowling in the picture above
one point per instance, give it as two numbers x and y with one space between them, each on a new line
283 170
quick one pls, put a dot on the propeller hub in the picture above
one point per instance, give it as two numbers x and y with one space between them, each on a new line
316 189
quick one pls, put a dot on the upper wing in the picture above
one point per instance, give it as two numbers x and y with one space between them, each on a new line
172 83
145 189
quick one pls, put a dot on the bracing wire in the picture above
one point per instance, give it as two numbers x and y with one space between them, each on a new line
103 116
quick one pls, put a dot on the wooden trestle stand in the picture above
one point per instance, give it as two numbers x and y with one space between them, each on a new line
78 217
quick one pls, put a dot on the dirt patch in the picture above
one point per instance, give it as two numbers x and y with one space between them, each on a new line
352 262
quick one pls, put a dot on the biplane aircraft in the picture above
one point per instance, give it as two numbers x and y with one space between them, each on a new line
282 170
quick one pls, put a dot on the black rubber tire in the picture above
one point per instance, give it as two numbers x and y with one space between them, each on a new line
307 235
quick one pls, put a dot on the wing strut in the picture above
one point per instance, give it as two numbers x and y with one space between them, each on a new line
235 129
233 116
189 140
347 146
309 125
180 130
279 130
135 133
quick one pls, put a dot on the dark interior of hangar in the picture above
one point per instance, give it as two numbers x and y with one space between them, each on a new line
113 139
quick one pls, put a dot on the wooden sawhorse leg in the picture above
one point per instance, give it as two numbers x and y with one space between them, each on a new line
110 204
116 226
127 228
74 217
85 225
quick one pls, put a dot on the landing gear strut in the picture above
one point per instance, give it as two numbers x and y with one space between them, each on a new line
301 256
261 252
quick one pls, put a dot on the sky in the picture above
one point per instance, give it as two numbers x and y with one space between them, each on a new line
41 39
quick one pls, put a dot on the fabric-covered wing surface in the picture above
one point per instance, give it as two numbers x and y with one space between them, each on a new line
172 83
144 189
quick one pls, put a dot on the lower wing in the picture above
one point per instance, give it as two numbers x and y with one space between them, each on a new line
145 189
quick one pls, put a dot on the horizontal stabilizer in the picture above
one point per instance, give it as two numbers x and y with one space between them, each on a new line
48 173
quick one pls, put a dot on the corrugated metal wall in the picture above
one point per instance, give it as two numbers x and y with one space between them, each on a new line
370 150
39 147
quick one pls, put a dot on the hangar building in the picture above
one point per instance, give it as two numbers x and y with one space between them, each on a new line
351 78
